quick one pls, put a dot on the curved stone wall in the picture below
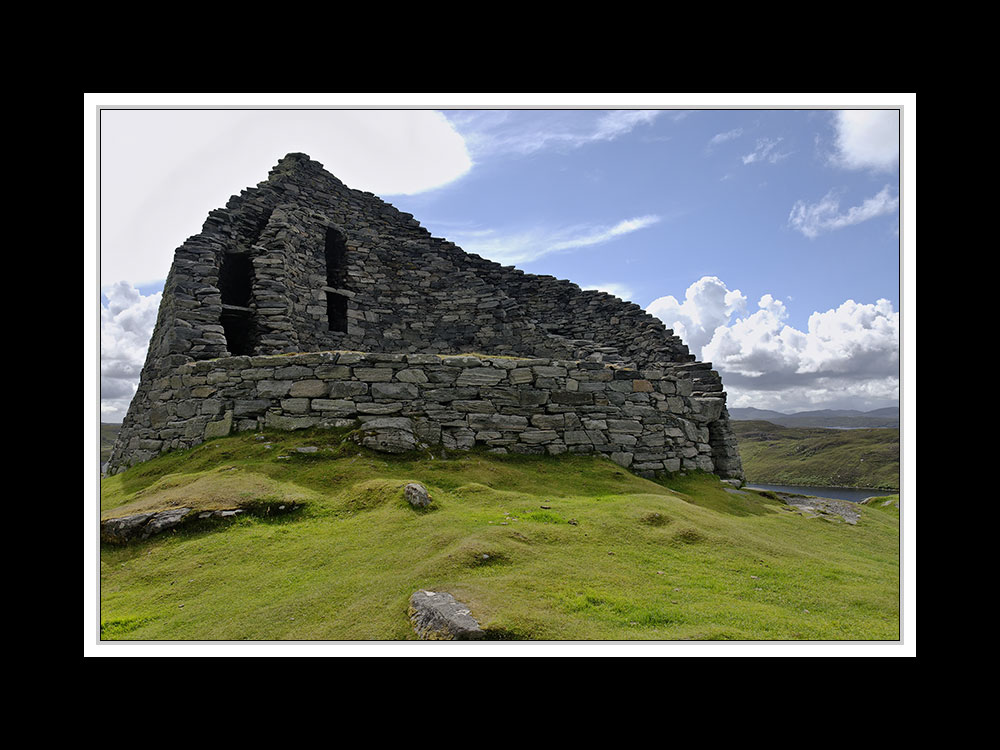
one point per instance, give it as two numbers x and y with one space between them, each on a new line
649 420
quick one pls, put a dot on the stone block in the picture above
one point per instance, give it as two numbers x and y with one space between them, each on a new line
373 374
221 428
411 375
333 372
347 388
250 407
338 407
309 389
480 376
520 376
406 391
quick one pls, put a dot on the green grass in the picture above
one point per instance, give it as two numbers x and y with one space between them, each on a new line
612 556
773 454
885 503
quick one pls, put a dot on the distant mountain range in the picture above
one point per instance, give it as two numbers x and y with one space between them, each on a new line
843 418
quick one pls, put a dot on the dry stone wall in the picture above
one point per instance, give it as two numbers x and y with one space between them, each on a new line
647 420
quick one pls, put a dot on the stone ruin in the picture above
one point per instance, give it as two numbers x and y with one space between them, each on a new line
304 303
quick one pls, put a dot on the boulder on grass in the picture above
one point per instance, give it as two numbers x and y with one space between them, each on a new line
416 495
437 616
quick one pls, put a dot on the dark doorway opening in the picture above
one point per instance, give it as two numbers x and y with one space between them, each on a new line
236 286
336 311
336 259
239 333
236 279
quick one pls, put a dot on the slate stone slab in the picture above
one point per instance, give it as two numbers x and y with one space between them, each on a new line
141 525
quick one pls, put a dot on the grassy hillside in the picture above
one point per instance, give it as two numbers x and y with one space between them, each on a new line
773 454
609 556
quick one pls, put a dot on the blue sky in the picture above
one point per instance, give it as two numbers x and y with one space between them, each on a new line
716 188
767 238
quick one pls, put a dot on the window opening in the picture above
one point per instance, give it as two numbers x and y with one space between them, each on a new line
336 311
236 287
236 279
336 259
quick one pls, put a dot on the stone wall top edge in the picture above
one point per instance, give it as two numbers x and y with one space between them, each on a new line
354 357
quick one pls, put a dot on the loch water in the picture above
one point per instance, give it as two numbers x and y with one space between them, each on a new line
853 494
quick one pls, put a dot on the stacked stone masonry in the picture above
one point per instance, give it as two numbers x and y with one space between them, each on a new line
647 420
302 263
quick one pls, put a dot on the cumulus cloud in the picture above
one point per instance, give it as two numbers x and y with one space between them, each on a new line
867 139
707 305
531 244
812 219
127 320
847 357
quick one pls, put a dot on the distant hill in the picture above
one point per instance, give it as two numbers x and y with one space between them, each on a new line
844 418
108 434
776 454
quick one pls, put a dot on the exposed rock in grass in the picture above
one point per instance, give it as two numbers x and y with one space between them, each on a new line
416 495
141 525
822 507
225 513
437 616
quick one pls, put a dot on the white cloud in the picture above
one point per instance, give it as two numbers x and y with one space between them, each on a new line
867 139
618 123
824 216
766 151
127 322
707 305
162 171
729 135
523 132
532 244
847 358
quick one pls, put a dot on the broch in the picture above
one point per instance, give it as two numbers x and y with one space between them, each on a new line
304 303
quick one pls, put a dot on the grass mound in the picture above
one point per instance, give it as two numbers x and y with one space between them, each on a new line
549 548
